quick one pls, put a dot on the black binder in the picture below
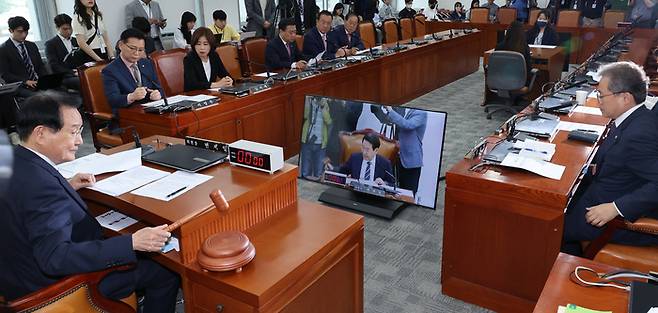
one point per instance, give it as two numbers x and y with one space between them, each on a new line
644 296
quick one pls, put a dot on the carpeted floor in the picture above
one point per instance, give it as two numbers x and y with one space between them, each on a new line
402 263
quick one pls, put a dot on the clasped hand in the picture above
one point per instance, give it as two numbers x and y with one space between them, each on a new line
141 92
601 214
150 239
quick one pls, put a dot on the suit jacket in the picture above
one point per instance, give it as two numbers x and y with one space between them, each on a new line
410 133
195 75
365 8
135 8
47 232
550 36
353 167
256 16
276 54
626 168
291 9
314 44
11 62
338 38
407 13
56 52
119 82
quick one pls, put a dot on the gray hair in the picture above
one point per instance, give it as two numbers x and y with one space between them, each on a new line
626 77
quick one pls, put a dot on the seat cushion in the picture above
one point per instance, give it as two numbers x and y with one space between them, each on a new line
643 259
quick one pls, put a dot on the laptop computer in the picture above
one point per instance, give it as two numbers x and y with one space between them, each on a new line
539 127
558 105
50 81
499 152
186 158
9 88
239 89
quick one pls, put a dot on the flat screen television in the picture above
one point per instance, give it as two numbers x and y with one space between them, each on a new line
374 154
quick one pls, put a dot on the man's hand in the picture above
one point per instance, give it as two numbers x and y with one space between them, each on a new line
138 94
600 214
150 239
153 21
32 84
353 51
379 181
340 53
267 24
301 65
82 180
155 95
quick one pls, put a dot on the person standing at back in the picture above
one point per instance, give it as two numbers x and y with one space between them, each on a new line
260 15
183 34
338 18
643 13
521 7
493 10
150 10
90 33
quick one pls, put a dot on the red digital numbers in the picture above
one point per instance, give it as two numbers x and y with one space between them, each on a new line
247 158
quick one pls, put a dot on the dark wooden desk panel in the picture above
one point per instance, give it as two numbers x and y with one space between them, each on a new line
560 290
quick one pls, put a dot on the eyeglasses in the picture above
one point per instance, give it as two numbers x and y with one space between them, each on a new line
135 49
77 131
599 96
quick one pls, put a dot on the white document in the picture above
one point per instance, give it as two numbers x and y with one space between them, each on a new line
114 220
160 102
650 102
539 167
171 186
200 98
368 50
264 74
595 76
569 126
316 59
535 149
128 180
99 163
542 46
356 57
588 110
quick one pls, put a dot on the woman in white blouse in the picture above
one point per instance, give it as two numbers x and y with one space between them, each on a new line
183 34
88 24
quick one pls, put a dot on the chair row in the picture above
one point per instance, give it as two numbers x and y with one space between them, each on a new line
565 18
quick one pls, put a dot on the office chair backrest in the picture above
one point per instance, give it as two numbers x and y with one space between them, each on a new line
506 71
506 15
406 28
299 41
612 17
350 143
228 52
169 67
390 31
97 109
532 17
419 25
254 49
367 32
568 18
479 15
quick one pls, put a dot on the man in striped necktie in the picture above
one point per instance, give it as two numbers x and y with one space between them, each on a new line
20 60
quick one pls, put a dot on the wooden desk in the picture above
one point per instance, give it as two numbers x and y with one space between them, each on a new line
306 253
560 290
275 115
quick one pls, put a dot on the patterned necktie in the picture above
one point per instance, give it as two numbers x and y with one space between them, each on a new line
27 62
366 176
136 76
324 41
289 50
608 141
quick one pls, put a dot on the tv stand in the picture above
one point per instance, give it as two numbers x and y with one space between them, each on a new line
365 203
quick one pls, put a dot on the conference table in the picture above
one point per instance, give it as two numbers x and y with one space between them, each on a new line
274 116
307 255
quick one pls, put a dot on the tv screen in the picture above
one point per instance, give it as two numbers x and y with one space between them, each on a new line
390 152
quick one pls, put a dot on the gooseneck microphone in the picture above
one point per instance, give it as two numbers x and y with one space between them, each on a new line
154 83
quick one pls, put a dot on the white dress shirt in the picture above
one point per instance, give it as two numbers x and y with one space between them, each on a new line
364 164
154 28
206 68
67 43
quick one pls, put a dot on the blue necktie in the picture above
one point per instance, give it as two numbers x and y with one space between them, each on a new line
28 63
366 176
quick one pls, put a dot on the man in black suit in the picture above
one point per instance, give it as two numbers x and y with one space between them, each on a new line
281 51
315 40
59 47
369 166
20 60
345 37
623 178
304 13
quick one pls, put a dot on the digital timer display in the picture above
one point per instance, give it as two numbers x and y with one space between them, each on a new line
250 158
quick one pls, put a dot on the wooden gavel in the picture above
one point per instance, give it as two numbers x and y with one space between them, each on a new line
220 204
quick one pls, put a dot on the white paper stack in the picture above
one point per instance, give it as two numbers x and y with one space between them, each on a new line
539 167
171 186
128 180
100 163
535 149
114 220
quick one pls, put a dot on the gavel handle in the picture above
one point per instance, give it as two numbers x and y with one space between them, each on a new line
186 219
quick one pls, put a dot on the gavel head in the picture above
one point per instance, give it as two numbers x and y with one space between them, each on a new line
219 200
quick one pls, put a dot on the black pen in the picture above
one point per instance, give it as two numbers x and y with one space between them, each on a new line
175 192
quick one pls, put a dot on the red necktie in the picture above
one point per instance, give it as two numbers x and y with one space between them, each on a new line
289 51
324 41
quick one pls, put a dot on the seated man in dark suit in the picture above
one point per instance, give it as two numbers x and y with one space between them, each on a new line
131 77
623 178
20 60
345 37
281 51
315 40
369 166
59 47
46 229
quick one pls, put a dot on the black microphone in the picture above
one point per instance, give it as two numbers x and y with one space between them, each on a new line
269 81
146 149
395 180
155 83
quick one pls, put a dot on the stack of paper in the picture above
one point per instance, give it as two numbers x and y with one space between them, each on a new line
99 163
588 110
170 100
128 180
539 167
171 186
535 149
114 220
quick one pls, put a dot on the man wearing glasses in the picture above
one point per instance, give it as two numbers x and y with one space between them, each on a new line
131 77
623 177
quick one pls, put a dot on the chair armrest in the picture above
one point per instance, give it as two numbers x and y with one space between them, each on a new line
645 225
533 72
102 116
126 134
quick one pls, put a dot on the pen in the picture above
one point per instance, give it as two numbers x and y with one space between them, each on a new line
586 130
175 192
533 150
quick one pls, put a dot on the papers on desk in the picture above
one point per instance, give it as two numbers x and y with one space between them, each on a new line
588 110
572 308
356 57
178 98
542 46
128 180
537 166
100 163
171 186
114 220
650 102
535 149
265 74
595 76
569 126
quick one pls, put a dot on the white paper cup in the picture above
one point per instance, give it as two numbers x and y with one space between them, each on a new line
581 96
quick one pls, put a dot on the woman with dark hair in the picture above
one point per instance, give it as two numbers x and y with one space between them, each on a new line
474 4
90 32
458 14
543 32
183 34
515 41
337 14
202 66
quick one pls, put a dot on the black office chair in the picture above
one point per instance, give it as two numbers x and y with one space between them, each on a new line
506 76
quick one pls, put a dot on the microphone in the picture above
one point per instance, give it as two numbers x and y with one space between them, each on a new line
269 81
395 180
154 83
443 20
146 149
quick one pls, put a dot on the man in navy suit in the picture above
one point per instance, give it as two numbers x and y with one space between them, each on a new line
410 127
281 51
131 77
623 178
369 166
315 40
20 60
46 230
345 37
